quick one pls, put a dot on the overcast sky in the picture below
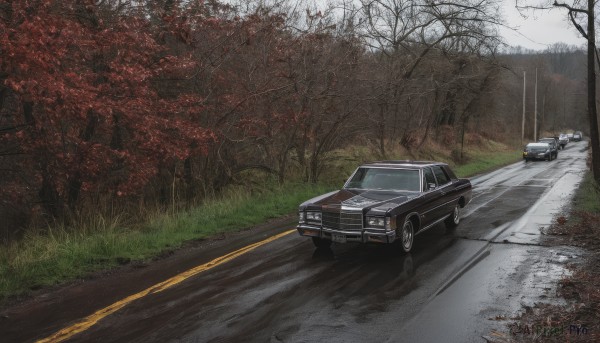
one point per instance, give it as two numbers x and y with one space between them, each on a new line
540 28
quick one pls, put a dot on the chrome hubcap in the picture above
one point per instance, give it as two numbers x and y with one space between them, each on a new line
456 214
407 235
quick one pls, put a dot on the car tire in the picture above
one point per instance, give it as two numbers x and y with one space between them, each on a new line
407 236
454 219
321 243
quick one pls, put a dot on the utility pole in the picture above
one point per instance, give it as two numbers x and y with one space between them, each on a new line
544 112
564 121
535 110
523 121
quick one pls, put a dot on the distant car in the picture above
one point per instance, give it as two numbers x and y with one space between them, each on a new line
537 151
553 145
570 137
577 136
386 202
563 140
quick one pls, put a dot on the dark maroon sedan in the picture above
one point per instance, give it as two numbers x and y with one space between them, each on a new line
384 202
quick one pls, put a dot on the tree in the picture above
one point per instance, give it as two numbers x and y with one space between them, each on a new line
89 117
408 34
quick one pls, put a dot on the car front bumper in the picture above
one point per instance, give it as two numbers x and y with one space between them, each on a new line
367 235
536 156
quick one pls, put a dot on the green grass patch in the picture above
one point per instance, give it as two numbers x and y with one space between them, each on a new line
62 253
587 197
484 161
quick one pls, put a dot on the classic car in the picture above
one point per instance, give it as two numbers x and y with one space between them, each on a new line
386 202
538 151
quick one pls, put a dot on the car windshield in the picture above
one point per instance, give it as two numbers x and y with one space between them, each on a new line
382 178
540 147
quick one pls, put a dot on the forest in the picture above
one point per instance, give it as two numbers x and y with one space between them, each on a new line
121 104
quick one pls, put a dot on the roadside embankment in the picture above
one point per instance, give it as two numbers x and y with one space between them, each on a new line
60 253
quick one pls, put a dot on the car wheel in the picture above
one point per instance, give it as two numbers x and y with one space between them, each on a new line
454 218
321 243
407 235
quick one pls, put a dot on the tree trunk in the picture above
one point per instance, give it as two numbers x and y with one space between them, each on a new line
592 114
74 181
381 129
51 200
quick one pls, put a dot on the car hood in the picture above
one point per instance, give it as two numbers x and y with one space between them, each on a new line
361 199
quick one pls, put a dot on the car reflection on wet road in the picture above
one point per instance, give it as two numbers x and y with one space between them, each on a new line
447 290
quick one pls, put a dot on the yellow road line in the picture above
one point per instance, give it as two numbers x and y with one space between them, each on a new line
92 319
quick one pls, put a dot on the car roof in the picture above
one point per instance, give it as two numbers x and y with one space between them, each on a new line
538 145
402 164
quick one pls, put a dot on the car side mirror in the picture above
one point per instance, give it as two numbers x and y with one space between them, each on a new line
431 186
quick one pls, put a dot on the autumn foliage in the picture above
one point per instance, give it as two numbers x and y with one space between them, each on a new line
86 113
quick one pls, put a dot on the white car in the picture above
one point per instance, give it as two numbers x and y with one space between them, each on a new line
563 140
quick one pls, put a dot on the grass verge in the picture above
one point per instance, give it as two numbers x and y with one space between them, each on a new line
482 161
43 259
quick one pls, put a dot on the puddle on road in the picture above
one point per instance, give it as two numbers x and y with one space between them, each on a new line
538 182
527 230
563 257
490 294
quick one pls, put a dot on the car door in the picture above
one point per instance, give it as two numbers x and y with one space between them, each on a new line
445 205
431 198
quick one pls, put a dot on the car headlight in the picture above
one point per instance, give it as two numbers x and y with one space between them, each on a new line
376 221
380 222
313 216
301 217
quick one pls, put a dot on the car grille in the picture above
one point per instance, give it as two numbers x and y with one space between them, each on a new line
346 221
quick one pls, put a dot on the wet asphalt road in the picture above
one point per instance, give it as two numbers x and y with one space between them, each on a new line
452 288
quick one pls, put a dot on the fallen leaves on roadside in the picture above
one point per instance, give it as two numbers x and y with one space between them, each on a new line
579 319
